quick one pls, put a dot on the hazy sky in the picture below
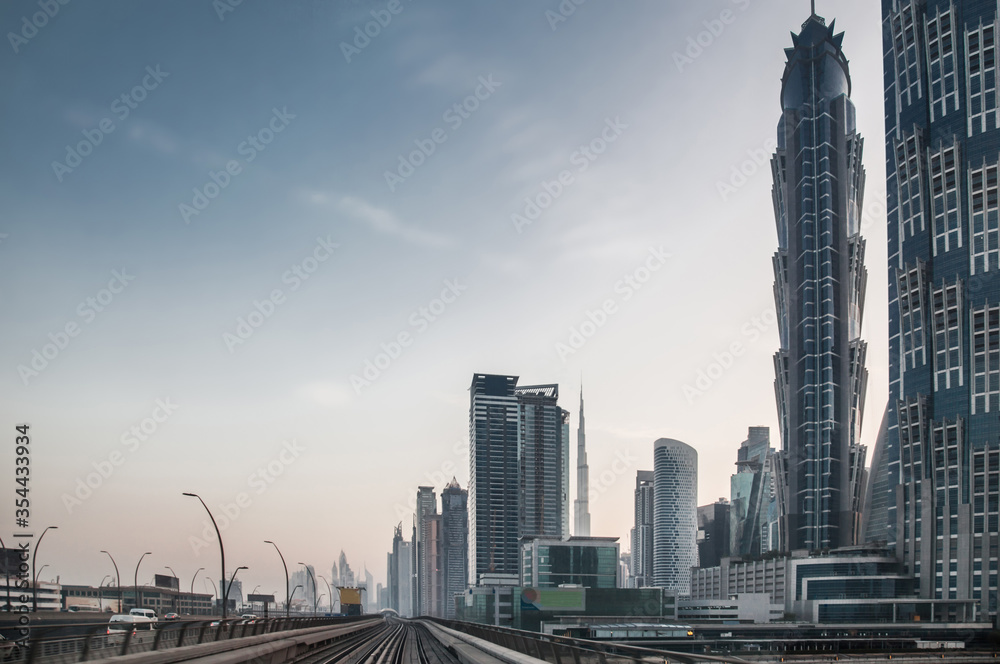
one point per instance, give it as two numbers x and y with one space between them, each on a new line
215 216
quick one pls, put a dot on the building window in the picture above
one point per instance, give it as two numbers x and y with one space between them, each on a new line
904 46
911 316
984 192
947 320
943 86
909 165
985 359
945 204
981 78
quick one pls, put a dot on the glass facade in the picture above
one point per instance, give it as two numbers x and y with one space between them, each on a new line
943 198
551 564
820 281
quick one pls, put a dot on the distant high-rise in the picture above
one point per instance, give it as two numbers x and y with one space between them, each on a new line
642 533
675 514
494 479
400 591
713 533
937 474
455 547
751 497
427 551
819 289
544 462
581 507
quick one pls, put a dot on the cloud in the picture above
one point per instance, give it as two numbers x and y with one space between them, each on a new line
381 221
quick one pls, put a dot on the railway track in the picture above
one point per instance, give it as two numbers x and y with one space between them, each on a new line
394 642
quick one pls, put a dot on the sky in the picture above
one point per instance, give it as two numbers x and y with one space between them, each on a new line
257 250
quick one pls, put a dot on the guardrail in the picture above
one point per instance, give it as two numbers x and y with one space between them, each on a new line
80 642
568 650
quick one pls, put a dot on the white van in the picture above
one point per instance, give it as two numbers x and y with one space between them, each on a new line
145 613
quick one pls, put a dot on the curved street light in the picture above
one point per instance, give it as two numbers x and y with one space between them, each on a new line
34 587
291 596
330 590
118 582
6 571
288 596
222 550
135 580
313 577
225 596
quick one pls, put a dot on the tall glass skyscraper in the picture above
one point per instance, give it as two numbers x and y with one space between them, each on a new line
494 480
642 532
518 469
941 462
455 548
819 289
675 514
751 494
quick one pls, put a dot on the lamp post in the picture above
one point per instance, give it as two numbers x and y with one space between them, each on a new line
135 580
222 549
192 587
288 596
118 582
313 577
6 571
225 595
330 590
34 587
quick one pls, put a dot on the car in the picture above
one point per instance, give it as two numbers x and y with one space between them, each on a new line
171 616
248 619
120 625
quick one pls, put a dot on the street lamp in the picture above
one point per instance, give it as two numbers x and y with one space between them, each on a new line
34 587
288 597
118 582
135 580
331 592
313 577
222 549
192 587
6 571
225 595
291 596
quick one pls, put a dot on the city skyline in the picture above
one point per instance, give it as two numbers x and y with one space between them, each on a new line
272 412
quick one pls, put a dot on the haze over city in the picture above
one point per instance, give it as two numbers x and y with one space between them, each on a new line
257 293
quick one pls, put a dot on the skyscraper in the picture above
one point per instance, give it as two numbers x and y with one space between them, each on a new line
751 494
427 552
819 290
493 476
675 514
942 447
455 549
581 507
642 532
518 471
544 462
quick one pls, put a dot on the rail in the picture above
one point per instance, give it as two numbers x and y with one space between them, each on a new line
567 650
83 642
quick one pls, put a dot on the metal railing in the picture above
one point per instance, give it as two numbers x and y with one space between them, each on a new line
568 650
80 642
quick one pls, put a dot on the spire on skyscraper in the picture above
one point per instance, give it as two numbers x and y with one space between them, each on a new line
581 508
